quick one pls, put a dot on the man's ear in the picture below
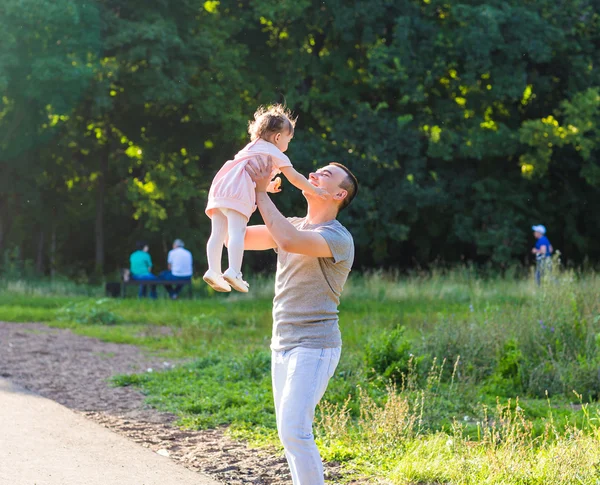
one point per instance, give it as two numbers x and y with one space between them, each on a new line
341 194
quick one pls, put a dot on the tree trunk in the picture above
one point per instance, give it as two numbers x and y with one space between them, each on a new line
53 248
100 196
5 225
1 233
39 260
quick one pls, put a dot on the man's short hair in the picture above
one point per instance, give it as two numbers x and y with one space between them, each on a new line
178 243
349 184
140 245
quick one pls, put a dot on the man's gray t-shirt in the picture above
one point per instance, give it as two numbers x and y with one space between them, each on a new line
308 289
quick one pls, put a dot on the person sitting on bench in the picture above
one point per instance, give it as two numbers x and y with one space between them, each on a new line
181 268
140 264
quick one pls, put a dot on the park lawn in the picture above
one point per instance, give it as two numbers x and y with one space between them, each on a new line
453 421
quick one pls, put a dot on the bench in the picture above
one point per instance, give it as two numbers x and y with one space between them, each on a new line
116 289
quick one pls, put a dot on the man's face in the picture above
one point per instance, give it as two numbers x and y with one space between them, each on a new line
329 178
537 234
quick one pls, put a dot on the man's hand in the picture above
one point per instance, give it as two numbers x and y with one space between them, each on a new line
260 172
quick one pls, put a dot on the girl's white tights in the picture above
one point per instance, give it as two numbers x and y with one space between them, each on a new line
226 222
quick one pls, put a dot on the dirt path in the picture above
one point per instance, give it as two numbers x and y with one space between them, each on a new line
46 443
73 371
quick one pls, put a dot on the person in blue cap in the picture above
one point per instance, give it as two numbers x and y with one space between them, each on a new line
543 252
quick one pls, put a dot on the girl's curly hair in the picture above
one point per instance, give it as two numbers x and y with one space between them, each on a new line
269 120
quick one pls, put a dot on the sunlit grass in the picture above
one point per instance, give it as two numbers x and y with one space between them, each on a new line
467 342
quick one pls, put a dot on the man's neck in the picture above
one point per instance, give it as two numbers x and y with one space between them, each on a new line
319 213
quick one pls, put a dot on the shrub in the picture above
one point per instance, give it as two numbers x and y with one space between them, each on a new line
507 378
388 355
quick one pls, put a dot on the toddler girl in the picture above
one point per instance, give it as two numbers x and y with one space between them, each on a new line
232 200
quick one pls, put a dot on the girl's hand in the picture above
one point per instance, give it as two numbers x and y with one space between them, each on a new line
275 185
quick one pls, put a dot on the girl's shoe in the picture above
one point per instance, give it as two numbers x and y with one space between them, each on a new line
235 280
216 281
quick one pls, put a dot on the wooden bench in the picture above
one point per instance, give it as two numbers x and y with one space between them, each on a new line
127 281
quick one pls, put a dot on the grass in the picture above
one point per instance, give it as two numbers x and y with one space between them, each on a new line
444 378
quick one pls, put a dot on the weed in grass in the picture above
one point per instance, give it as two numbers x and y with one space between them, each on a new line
89 313
388 354
124 380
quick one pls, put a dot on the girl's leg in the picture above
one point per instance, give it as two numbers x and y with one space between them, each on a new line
236 227
214 247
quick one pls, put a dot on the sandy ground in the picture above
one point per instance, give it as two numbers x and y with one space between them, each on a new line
73 371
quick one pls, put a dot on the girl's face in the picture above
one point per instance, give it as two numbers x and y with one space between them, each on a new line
282 140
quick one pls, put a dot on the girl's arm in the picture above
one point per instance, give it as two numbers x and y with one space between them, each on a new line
301 182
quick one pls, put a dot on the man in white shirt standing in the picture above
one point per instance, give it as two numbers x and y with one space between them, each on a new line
180 266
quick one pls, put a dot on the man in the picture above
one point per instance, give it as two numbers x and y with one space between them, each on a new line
180 264
543 252
140 266
314 257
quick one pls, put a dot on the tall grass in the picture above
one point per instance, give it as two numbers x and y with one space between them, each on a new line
47 287
388 442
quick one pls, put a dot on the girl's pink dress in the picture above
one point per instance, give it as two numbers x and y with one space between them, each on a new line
232 187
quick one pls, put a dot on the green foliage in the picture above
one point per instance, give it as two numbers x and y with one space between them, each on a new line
89 313
579 131
124 380
388 355
465 123
214 390
507 378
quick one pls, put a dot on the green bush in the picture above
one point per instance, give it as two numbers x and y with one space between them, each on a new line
388 355
507 378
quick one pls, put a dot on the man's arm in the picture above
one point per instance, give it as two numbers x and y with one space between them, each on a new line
285 235
258 238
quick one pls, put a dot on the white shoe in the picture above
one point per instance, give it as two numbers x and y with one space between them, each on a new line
216 281
235 280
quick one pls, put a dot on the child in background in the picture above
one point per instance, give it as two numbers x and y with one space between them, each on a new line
232 200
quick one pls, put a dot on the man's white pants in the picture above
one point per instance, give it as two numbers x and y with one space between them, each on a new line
300 377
